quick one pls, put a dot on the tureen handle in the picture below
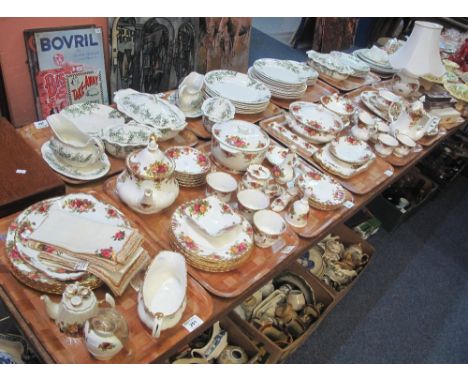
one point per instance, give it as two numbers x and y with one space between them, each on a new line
100 146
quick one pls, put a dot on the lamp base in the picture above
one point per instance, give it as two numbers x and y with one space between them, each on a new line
404 84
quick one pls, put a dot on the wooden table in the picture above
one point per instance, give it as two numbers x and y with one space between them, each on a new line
26 307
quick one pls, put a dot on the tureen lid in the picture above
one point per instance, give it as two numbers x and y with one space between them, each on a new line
150 162
241 135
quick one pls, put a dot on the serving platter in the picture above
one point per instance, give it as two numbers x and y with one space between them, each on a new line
276 126
316 117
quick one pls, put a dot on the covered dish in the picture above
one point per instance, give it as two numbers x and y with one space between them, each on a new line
329 65
237 144
122 139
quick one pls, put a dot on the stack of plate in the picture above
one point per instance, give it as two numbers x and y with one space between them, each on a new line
210 235
314 122
286 79
249 96
377 59
191 165
360 68
345 157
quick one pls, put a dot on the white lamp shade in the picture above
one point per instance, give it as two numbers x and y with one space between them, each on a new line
420 55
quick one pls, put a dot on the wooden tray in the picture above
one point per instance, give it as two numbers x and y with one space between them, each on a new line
351 83
280 118
366 181
429 141
312 94
223 284
37 137
400 162
64 349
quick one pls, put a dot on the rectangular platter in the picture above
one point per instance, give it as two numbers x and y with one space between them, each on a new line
143 348
351 83
312 94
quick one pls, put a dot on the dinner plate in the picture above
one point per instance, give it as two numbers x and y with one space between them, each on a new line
189 160
351 150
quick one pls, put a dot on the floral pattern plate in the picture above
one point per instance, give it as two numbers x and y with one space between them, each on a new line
232 245
336 167
149 110
189 160
237 87
340 105
307 132
368 98
93 118
212 216
25 260
322 190
351 150
292 138
316 117
458 91
95 171
283 71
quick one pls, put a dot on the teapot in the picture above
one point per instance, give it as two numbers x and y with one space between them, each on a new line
78 304
106 334
189 94
71 145
405 85
148 183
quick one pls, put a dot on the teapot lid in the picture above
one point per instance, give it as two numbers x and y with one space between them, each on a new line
150 162
78 298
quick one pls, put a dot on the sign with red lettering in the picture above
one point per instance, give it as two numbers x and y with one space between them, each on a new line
84 87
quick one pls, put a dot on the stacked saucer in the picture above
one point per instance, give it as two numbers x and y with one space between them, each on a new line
248 95
286 79
191 165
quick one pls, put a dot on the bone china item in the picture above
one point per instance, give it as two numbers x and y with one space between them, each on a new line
268 226
385 98
237 144
148 183
298 213
360 68
212 216
189 96
216 110
221 184
106 334
385 144
77 305
284 172
71 145
165 119
250 201
162 298
405 147
122 139
316 117
339 105
351 150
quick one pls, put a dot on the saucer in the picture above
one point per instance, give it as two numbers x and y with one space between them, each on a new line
95 171
189 114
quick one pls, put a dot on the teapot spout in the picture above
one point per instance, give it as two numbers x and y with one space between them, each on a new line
51 307
147 199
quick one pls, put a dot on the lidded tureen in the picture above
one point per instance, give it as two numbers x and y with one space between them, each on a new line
237 144
148 183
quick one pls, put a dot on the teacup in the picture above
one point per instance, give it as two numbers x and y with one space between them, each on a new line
251 201
216 110
221 185
366 119
385 145
296 299
385 98
268 227
298 213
